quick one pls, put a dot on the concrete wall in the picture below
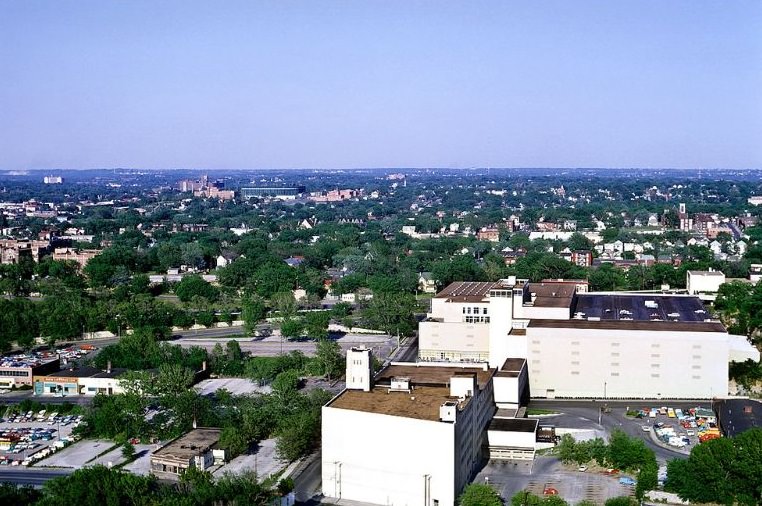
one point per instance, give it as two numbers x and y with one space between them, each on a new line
109 386
626 363
382 459
697 283
455 340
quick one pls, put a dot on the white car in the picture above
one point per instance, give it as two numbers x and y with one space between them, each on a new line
582 469
646 428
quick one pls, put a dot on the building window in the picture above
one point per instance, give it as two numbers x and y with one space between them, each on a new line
575 373
615 374
697 377
696 346
656 345
655 375
696 367
575 362
614 344
655 366
696 357
614 364
476 310
615 354
484 311
655 355
575 353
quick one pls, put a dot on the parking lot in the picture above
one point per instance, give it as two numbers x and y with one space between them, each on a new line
678 428
548 474
27 437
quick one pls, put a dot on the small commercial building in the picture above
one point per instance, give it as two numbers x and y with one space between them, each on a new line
197 448
80 381
20 370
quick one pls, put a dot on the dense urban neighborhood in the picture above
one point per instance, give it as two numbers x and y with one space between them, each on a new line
385 337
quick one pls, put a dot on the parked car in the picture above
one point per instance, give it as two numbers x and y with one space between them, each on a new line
582 469
626 480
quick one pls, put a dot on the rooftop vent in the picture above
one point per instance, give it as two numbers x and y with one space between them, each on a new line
448 411
400 384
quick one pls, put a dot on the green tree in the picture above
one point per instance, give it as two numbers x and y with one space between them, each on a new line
99 485
291 328
316 324
478 494
195 286
392 313
284 303
234 441
298 434
621 501
128 451
328 355
723 471
173 379
253 310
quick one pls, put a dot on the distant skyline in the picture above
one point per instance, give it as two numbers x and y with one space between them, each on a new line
353 84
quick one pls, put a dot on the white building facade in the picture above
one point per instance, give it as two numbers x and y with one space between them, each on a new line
414 438
578 344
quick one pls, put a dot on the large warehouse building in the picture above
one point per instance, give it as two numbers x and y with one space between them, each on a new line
579 344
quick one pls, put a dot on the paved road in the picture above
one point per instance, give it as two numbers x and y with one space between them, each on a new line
308 479
382 345
32 476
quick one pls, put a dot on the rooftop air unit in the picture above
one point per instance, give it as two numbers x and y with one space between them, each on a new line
400 384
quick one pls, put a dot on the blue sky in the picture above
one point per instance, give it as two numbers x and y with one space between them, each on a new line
324 84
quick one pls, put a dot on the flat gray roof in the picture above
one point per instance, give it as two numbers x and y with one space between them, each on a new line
633 308
514 424
187 446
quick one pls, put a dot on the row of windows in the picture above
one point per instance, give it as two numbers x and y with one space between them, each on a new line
477 319
474 310
14 373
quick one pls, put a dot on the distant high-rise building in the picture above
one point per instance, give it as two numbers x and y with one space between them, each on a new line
52 180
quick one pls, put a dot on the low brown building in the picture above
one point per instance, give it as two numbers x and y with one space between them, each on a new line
197 448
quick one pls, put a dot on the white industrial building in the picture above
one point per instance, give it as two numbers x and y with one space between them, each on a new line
578 344
413 434
704 284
